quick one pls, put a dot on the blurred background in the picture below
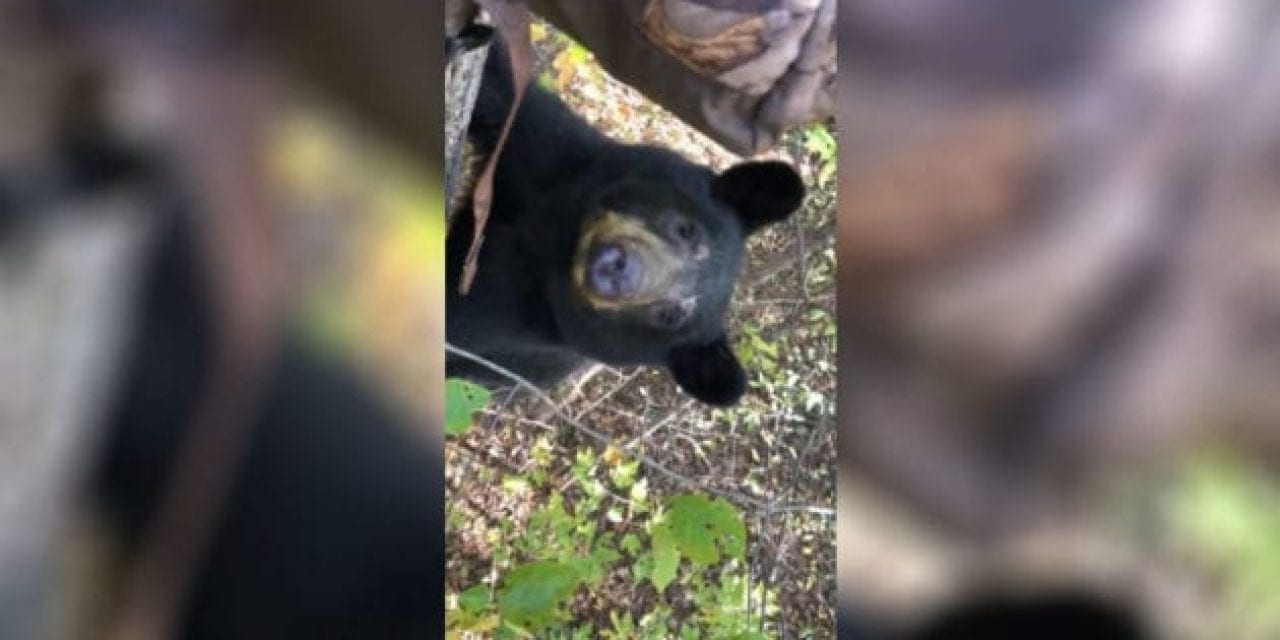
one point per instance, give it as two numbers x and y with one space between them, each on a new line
1059 232
303 141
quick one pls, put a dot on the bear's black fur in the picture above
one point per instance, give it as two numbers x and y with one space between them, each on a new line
625 254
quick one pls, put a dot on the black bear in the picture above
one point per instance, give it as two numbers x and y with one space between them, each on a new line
625 254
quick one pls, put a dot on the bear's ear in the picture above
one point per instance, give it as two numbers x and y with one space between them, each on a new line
761 192
709 372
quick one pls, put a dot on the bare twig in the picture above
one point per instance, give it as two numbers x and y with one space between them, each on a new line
604 440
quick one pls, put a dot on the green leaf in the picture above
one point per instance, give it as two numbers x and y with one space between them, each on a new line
630 544
764 346
601 558
578 54
624 475
666 558
826 172
819 141
473 600
534 592
642 568
698 524
1223 510
537 32
461 400
515 485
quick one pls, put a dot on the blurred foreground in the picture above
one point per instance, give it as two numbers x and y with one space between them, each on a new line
1059 244
292 158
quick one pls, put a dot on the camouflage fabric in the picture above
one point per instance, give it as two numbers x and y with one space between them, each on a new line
740 71
1058 242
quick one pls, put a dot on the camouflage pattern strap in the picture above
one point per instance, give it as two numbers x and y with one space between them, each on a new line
512 20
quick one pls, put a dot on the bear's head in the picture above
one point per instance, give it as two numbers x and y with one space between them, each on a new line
654 263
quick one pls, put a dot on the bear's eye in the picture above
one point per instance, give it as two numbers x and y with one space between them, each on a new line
684 231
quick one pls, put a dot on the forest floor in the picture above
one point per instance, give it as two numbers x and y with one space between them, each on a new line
772 457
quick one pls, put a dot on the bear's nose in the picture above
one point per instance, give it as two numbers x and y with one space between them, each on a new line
613 271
